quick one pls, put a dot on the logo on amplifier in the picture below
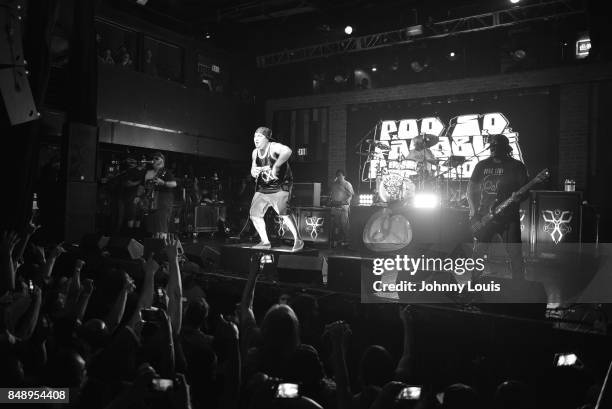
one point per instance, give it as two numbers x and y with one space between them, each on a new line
314 225
280 226
557 223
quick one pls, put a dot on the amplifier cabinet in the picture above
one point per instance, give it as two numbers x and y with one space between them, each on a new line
554 218
206 219
306 194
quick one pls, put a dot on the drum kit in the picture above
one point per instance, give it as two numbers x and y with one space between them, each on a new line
417 172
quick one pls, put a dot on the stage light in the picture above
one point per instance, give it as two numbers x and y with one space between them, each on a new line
374 69
518 54
426 200
414 30
207 36
514 1
417 66
366 200
348 30
395 66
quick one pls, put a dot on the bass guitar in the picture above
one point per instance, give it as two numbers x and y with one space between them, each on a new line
481 226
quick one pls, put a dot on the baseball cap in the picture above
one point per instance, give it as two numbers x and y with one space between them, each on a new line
265 131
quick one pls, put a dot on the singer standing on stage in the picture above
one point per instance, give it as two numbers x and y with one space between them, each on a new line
273 181
159 191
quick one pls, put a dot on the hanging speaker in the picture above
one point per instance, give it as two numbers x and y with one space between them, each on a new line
17 101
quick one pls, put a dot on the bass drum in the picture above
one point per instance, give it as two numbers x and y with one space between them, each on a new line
393 187
387 231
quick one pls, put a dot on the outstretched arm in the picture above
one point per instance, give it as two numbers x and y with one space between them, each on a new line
405 365
247 317
175 288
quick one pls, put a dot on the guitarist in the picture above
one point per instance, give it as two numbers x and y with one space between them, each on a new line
494 180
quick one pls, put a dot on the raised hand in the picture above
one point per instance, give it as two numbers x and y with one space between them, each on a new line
171 247
128 283
31 228
88 286
226 330
339 332
8 242
58 251
150 266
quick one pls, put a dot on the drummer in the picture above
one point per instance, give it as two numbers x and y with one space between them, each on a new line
422 155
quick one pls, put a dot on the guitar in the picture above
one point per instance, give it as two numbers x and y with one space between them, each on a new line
481 226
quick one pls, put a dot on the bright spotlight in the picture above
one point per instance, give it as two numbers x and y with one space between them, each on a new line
348 30
374 68
426 200
514 1
366 199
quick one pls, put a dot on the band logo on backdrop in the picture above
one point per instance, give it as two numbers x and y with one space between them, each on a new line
466 136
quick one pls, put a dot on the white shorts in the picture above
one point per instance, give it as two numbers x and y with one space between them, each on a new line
262 201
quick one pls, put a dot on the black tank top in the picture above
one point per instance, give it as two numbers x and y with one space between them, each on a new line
267 185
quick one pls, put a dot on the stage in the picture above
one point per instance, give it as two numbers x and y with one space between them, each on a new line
347 273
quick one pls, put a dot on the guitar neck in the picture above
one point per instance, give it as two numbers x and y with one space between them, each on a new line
525 188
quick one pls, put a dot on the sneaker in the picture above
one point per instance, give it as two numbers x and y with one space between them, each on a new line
263 246
298 245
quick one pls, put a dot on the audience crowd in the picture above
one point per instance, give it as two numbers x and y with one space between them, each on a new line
146 336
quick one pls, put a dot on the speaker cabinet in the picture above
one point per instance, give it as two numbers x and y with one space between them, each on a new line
301 269
16 96
344 274
206 219
79 150
315 225
555 219
306 194
80 210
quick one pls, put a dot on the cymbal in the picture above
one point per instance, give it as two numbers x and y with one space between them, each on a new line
377 144
454 161
426 140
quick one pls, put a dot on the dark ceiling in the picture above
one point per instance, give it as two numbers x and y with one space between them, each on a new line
272 25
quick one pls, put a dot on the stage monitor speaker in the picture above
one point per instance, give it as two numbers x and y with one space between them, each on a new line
344 274
79 150
93 242
80 210
203 255
125 248
301 269
306 194
519 298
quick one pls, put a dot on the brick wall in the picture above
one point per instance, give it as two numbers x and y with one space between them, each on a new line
337 140
573 133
